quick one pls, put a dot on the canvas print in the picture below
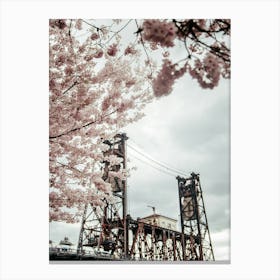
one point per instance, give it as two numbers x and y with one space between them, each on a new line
139 140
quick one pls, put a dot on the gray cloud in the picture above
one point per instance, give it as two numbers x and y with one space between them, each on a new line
191 131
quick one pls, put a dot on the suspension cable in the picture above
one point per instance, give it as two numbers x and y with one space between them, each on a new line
163 163
159 169
157 162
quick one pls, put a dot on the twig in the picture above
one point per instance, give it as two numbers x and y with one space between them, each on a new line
83 126
118 31
144 47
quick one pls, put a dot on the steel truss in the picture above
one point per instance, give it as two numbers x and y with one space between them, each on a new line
153 243
105 228
194 220
110 230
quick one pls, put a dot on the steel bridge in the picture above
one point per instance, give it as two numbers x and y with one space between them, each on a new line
109 233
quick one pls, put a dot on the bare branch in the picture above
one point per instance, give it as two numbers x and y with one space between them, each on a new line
119 31
143 44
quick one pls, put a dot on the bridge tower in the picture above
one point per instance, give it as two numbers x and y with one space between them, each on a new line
108 228
196 242
105 228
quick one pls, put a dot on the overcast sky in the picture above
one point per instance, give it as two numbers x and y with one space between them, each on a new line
188 130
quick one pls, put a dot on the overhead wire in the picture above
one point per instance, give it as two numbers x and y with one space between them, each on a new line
159 169
168 167
163 163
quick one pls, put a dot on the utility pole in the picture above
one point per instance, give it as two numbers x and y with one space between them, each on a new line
154 213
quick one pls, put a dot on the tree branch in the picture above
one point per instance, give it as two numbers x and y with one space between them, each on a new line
75 83
142 42
118 31
97 28
64 92
84 126
69 167
189 28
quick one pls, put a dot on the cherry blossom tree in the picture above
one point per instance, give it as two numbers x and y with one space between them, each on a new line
206 57
100 79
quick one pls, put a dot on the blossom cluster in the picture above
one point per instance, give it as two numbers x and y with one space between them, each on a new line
92 96
130 50
207 72
163 83
159 31
112 50
113 160
58 23
99 84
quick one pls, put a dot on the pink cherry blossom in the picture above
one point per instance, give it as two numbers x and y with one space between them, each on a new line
86 104
94 36
79 24
130 50
59 23
98 54
112 50
207 72
99 83
159 31
163 83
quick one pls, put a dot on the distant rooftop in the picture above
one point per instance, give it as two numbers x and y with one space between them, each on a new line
158 216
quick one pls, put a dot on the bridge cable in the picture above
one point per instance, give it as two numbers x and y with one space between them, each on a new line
169 168
159 169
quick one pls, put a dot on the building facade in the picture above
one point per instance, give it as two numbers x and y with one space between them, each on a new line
161 221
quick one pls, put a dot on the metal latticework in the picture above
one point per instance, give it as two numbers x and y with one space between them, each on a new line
153 243
194 223
104 229
108 233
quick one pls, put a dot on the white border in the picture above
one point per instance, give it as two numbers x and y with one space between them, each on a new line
254 128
